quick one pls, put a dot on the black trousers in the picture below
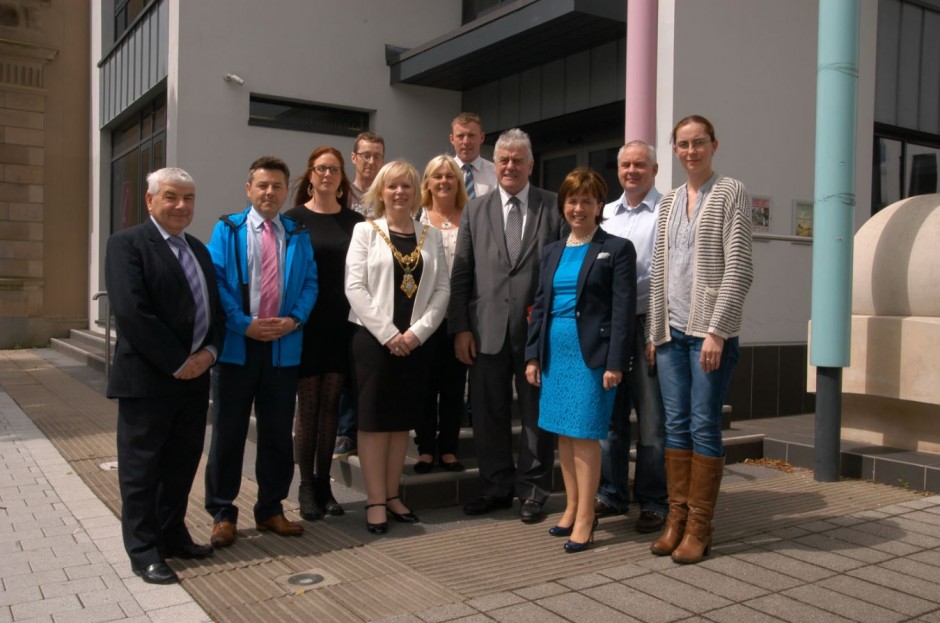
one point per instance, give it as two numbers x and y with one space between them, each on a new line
272 391
159 444
438 430
491 379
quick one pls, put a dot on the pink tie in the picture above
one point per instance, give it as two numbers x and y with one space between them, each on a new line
270 296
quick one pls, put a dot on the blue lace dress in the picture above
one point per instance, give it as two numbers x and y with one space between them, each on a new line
573 401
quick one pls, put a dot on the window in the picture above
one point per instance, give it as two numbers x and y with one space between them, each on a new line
137 148
125 13
904 163
285 114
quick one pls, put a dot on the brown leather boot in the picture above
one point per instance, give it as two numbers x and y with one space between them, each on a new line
703 493
678 466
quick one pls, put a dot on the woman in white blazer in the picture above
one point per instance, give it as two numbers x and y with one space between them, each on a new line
398 288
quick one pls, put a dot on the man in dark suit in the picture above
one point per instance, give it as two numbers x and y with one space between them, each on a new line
162 289
493 283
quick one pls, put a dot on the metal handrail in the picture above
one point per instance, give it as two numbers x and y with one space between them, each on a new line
107 331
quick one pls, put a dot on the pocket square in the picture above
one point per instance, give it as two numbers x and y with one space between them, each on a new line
603 255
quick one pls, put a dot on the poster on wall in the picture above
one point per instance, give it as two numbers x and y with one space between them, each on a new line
760 214
803 218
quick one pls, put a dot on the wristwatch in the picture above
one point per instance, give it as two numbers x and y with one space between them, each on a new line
297 323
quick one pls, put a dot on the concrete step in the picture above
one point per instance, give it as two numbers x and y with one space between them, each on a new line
441 488
80 352
93 340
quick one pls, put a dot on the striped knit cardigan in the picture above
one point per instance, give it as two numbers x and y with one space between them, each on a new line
722 264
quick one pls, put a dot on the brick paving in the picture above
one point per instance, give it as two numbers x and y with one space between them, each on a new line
787 548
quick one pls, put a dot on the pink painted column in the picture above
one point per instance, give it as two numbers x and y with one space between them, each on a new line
642 25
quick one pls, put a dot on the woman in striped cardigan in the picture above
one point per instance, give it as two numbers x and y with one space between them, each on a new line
700 276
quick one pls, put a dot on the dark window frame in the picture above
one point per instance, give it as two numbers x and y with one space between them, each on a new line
306 116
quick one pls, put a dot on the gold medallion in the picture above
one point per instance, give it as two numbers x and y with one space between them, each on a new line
408 285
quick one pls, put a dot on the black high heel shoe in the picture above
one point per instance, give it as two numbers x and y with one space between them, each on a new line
561 531
408 517
573 547
375 528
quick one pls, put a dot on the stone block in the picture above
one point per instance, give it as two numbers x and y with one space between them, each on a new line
22 174
15 118
32 212
14 192
23 250
24 101
24 136
36 193
35 155
15 154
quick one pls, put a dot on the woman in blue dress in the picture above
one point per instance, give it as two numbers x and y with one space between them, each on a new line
578 347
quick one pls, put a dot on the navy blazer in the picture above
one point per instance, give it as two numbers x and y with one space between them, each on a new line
606 302
155 311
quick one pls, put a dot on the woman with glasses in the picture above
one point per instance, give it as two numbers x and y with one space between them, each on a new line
700 276
398 288
322 206
443 198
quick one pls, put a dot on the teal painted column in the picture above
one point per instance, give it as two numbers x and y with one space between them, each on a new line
833 221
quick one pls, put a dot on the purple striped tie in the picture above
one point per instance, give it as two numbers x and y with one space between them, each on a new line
270 292
188 264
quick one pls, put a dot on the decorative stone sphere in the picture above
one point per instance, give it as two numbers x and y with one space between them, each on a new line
897 260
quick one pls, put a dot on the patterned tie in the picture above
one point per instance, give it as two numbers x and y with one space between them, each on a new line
188 264
270 292
468 181
514 230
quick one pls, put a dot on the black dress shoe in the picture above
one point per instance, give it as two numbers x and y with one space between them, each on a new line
602 509
189 551
573 547
408 517
423 467
650 521
157 573
561 531
531 511
485 503
375 528
453 466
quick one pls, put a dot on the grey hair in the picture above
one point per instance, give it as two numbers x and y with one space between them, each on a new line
514 138
650 150
168 175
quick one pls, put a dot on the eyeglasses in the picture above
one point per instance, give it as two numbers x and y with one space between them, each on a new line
369 156
322 169
697 144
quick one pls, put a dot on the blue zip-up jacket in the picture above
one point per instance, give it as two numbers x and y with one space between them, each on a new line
298 292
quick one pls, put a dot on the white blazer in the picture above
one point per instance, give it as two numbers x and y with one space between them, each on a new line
370 283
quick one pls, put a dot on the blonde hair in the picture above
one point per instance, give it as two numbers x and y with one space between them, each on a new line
435 163
391 170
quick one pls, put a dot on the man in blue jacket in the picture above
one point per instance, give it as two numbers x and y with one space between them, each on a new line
268 284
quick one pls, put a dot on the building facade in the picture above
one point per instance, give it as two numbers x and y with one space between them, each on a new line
44 156
210 85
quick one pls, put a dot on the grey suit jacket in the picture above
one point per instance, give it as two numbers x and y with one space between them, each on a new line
489 296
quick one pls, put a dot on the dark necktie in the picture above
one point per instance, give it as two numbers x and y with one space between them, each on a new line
188 264
468 181
514 230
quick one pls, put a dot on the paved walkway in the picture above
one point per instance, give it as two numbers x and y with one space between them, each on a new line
787 548
61 555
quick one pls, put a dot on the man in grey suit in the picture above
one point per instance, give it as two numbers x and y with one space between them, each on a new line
493 283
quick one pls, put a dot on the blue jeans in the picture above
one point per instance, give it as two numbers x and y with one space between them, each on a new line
693 399
640 391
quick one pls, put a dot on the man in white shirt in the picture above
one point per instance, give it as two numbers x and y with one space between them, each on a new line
466 135
634 216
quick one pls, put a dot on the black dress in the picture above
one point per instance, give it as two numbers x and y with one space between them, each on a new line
391 389
327 332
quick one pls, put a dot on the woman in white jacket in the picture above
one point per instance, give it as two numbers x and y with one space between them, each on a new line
398 288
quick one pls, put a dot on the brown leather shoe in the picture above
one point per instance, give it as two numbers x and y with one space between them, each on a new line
223 534
278 524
